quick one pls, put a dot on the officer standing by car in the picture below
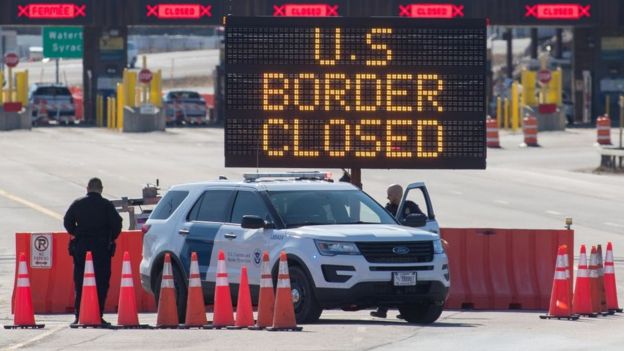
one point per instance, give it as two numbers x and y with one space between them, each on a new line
94 224
395 193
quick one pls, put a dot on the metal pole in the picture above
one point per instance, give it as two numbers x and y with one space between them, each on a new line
58 80
356 177
559 43
509 54
534 43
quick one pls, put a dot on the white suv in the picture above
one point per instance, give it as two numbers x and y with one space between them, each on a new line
344 249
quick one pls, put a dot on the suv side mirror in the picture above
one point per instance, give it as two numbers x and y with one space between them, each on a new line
415 220
252 222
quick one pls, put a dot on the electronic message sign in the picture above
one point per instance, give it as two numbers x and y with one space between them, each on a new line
305 10
354 92
52 11
553 12
436 10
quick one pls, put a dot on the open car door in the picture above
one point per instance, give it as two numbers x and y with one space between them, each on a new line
417 193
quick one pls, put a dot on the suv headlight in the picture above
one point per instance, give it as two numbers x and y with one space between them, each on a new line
438 248
333 248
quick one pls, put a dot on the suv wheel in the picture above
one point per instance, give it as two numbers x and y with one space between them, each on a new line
423 313
180 291
307 309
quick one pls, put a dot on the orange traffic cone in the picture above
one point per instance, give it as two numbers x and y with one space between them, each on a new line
582 303
560 304
244 310
266 300
223 311
24 315
127 317
167 308
89 303
284 313
593 281
609 281
195 306
601 286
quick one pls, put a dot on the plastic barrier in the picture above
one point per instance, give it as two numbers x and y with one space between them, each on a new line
500 269
53 288
209 98
78 101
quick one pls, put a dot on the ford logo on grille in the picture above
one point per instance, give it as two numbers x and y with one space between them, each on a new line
401 250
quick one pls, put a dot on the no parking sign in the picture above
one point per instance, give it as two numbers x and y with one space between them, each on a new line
41 250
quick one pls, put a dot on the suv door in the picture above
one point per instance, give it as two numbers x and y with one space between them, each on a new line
245 246
417 193
203 222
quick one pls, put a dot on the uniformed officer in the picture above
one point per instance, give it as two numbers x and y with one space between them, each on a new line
395 193
94 224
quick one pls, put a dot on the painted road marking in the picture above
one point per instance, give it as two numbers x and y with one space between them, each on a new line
35 339
618 225
502 202
31 205
553 212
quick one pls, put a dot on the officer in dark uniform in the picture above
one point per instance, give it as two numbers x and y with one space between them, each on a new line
395 193
94 224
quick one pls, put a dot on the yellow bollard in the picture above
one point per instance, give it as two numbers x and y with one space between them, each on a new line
10 76
130 81
499 111
99 110
108 112
114 113
156 89
515 107
120 106
21 87
506 113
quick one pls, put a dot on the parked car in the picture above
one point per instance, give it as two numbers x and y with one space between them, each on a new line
345 251
185 107
51 102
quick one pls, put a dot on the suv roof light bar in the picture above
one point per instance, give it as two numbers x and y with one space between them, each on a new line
315 175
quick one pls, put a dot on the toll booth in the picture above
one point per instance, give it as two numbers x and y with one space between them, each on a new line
597 66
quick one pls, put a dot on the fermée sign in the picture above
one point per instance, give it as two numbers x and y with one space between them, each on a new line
52 12
349 92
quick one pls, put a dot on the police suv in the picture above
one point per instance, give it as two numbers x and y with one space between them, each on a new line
344 249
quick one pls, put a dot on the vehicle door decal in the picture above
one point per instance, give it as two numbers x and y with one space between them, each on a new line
201 240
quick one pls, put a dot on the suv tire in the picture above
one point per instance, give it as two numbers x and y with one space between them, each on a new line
307 309
423 313
180 289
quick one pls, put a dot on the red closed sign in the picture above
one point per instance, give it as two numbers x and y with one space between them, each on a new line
11 59
145 76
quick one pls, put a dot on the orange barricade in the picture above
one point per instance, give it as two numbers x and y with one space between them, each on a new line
53 288
500 269
603 130
492 133
78 101
209 98
529 128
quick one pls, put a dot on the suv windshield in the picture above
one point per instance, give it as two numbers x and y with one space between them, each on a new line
183 95
314 207
52 91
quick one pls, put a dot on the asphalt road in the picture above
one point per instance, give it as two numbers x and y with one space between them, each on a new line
43 170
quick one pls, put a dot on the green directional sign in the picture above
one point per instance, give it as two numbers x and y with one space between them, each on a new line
62 42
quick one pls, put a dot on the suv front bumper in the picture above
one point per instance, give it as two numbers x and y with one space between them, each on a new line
372 294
